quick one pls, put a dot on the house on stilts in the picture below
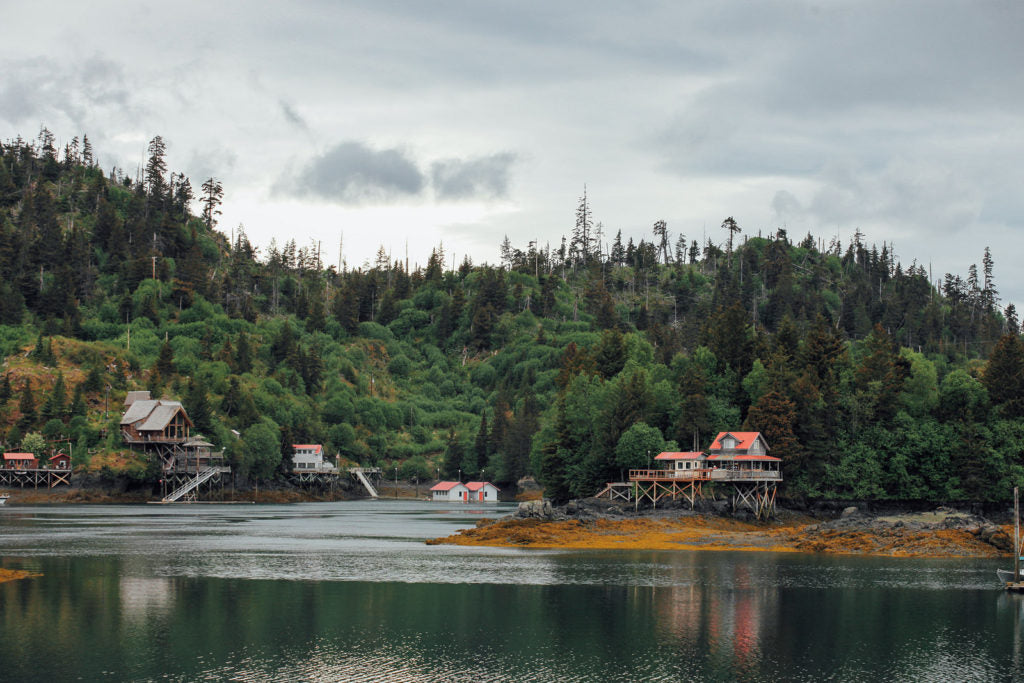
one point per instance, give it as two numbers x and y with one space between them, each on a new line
736 462
162 429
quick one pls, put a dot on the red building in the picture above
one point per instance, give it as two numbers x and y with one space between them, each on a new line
61 461
20 461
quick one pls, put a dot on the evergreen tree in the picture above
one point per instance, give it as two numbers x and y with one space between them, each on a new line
213 196
56 402
1012 321
600 305
1004 376
156 167
610 355
554 473
27 408
774 416
165 361
730 225
453 457
197 406
481 445
693 422
78 406
243 355
660 230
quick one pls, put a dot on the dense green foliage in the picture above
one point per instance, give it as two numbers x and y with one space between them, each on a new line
567 364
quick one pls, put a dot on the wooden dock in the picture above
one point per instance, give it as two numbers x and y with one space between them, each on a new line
750 488
36 478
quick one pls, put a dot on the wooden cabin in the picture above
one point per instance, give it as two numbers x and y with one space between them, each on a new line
449 492
481 492
20 461
159 421
678 462
60 461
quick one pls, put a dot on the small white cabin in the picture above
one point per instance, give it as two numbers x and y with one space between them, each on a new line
449 492
310 458
682 462
482 492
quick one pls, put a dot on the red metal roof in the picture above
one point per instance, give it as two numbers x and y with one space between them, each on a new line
19 456
477 485
745 439
671 455
757 457
445 486
315 446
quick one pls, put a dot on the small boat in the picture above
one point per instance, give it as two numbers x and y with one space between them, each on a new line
1005 575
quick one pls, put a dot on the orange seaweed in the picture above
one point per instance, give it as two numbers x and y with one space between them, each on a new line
715 533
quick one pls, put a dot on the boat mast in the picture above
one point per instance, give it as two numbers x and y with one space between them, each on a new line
1016 535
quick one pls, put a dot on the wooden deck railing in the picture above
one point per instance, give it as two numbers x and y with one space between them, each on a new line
677 475
720 474
129 437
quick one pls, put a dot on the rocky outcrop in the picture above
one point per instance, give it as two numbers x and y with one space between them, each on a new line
855 521
537 509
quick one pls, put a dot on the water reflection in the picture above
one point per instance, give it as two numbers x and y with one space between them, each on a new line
142 599
347 593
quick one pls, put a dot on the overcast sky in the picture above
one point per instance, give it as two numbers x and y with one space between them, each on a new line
394 123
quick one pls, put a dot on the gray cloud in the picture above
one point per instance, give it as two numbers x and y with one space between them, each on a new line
292 116
210 163
40 89
353 173
480 178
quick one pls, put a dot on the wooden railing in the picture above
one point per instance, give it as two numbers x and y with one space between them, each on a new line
129 437
682 475
720 474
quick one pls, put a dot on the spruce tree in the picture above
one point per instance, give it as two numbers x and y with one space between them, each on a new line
197 406
480 446
57 400
165 361
78 401
27 408
1004 375
243 354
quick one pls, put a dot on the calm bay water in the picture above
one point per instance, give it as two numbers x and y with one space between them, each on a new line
348 591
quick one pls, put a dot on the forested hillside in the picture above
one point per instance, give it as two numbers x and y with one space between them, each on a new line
568 363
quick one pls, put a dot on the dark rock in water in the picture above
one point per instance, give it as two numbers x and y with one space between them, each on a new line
536 509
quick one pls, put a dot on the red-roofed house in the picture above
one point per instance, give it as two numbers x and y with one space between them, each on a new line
482 492
751 443
682 462
20 461
61 461
310 458
449 491
742 451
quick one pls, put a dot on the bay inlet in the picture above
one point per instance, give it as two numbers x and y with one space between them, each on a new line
350 591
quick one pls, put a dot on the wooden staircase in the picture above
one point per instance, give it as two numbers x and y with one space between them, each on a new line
188 489
360 473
